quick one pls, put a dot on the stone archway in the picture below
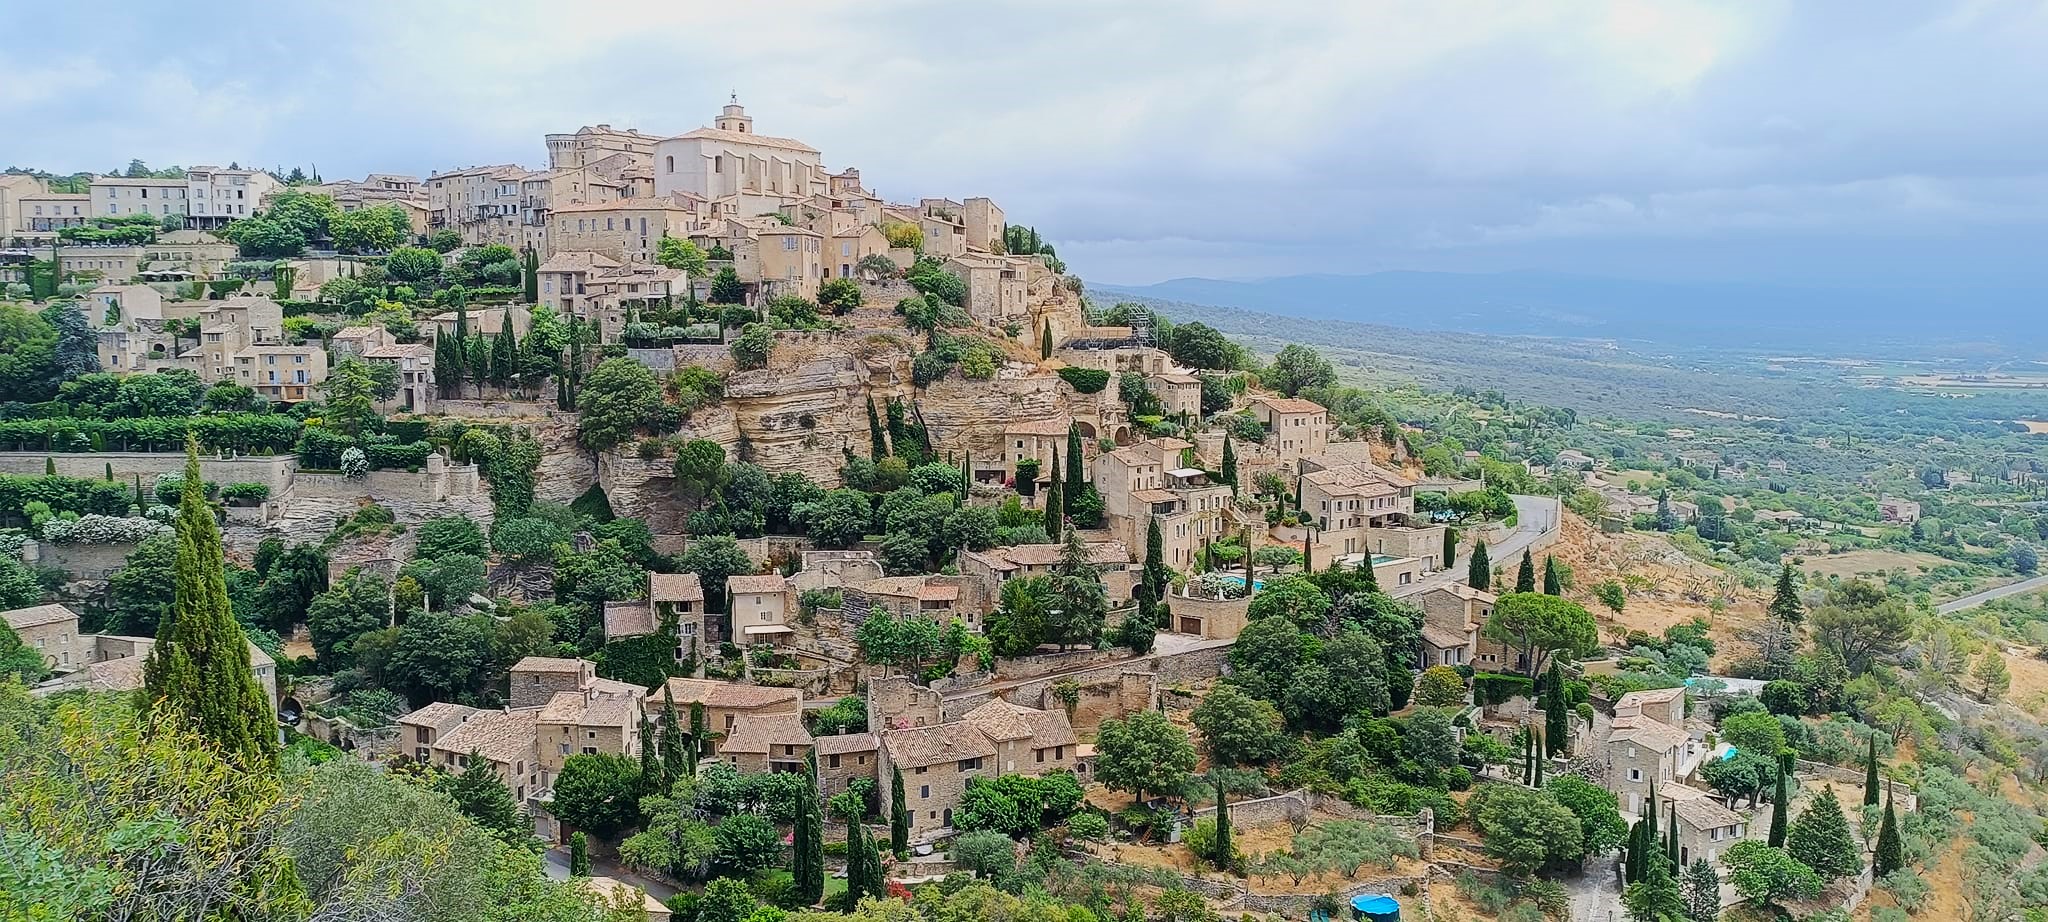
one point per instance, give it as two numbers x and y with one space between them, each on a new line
1123 435
1086 428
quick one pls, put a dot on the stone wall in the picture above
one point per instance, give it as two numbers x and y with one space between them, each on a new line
81 561
437 482
273 471
1220 618
714 356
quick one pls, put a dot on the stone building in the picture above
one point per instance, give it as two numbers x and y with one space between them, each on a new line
929 595
1295 428
1452 617
759 608
1645 742
1147 482
845 757
989 570
726 702
997 738
731 159
767 743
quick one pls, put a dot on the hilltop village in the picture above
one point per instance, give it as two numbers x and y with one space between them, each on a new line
754 541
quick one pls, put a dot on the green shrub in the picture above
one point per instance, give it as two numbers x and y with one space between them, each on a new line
1085 380
1495 688
1089 826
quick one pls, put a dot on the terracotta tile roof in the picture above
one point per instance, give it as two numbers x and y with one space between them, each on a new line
726 694
628 619
1650 734
1351 480
548 664
577 261
36 616
400 350
354 332
846 744
1289 404
917 587
674 587
1442 638
1651 696
1467 593
746 137
932 745
999 719
1174 377
1057 425
1704 813
760 733
441 716
500 736
1100 553
764 583
1154 496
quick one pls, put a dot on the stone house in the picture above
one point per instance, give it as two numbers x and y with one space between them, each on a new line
997 738
932 596
996 290
1643 744
506 740
120 196
1452 616
1706 828
677 595
989 570
759 608
1902 511
726 702
122 306
731 159
51 630
281 374
1037 439
835 569
627 230
983 221
216 196
1147 482
565 281
845 757
421 730
1179 394
767 743
1295 428
792 262
603 716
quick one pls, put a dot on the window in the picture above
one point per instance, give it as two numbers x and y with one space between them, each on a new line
1635 774
924 791
671 164
831 761
968 765
590 750
920 769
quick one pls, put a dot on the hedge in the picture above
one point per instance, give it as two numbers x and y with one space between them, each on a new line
1086 380
64 494
407 455
1495 688
244 433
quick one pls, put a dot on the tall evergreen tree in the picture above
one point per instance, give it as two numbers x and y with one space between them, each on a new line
1055 501
1820 839
1525 577
1229 472
1781 798
652 779
1450 546
1537 758
1478 571
1655 897
1222 825
807 839
579 854
1045 340
1633 852
1556 717
530 275
1785 605
1890 850
1870 782
1076 473
1308 552
448 361
505 353
674 759
899 817
878 443
1702 892
199 665
1553 581
1371 581
479 794
699 731
479 362
1671 839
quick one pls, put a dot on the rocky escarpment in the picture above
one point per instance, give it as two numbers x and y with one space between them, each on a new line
643 486
801 418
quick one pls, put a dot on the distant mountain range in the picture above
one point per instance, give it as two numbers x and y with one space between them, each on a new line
1720 315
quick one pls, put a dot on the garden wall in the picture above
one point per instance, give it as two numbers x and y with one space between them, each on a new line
273 471
82 561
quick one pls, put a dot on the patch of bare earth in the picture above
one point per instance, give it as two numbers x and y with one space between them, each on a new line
1672 587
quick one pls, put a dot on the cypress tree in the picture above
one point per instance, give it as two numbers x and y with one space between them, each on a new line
1075 474
1781 795
448 376
110 472
1045 340
1536 758
1222 826
505 353
1556 720
579 855
878 443
652 779
899 817
1055 501
807 839
1632 854
1229 473
1671 837
479 362
1553 582
49 466
1525 578
697 733
531 263
966 477
674 760
1870 783
1651 838
1890 851
1785 604
1308 552
1479 572
1450 546
1372 580
199 665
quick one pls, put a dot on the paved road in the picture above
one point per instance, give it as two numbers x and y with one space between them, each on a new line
1972 601
556 864
1534 516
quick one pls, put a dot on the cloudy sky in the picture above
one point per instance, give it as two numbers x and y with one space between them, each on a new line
1875 142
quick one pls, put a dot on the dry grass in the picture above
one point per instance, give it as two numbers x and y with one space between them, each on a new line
1680 589
2029 690
2035 426
1855 563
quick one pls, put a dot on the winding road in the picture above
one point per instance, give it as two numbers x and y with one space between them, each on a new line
1996 592
1535 516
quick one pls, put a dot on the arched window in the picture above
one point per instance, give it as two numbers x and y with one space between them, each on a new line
671 164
